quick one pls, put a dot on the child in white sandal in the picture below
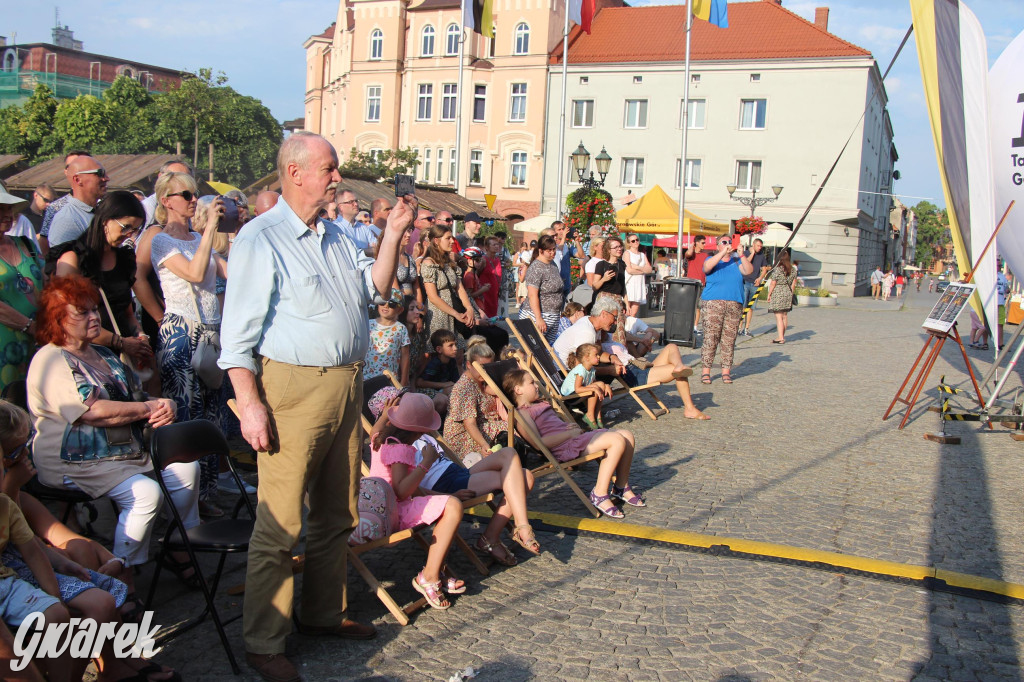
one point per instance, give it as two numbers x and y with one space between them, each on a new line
394 459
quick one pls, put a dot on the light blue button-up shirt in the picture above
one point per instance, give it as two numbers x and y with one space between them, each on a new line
363 235
294 295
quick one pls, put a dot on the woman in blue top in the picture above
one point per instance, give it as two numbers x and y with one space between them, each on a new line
722 306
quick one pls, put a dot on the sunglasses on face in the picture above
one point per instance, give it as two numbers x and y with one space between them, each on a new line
14 454
184 194
98 172
126 229
634 241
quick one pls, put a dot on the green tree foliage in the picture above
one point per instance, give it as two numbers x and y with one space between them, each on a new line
588 207
384 164
129 120
932 233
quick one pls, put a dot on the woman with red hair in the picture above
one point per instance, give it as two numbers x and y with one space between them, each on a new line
89 412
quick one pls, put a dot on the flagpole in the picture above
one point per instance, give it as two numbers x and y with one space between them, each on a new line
561 125
682 159
458 104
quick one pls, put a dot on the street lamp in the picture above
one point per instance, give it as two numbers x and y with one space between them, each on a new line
753 201
581 159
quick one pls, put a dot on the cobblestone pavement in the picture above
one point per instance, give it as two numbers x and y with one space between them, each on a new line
796 453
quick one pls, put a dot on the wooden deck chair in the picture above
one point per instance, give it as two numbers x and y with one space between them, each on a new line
494 373
552 372
401 613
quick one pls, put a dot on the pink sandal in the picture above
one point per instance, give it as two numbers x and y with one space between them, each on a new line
452 585
431 592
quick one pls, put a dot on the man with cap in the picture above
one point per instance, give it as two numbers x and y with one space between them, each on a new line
471 225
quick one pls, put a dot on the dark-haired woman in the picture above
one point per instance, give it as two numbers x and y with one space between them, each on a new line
544 289
99 256
610 281
781 290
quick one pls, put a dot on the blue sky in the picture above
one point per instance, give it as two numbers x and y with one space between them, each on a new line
258 45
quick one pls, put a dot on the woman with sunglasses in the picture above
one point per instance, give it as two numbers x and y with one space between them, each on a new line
188 267
98 255
722 306
637 268
21 280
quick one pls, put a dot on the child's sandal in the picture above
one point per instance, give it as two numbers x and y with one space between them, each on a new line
597 500
590 424
506 558
452 585
431 592
524 537
628 495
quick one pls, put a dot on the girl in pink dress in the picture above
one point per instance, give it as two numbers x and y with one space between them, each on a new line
393 459
567 442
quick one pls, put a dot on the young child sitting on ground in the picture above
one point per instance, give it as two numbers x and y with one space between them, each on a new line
567 442
581 381
393 459
571 313
389 342
441 371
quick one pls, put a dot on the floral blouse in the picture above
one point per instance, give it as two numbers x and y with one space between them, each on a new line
385 350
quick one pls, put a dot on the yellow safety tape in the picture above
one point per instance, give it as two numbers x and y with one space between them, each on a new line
770 549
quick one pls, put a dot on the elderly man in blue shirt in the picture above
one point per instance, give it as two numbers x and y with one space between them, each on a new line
294 335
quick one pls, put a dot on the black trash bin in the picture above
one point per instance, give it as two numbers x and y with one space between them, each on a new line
681 295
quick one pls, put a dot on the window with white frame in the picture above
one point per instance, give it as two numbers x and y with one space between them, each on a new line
572 177
752 114
583 113
375 153
451 166
492 42
373 103
632 172
522 44
636 113
377 44
693 168
426 165
427 41
440 164
748 175
517 108
518 176
449 97
695 109
476 167
479 103
451 43
425 101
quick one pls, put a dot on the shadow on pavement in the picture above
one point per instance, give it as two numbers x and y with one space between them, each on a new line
964 539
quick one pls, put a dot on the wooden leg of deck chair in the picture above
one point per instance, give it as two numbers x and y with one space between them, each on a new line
641 403
471 555
656 399
400 614
579 492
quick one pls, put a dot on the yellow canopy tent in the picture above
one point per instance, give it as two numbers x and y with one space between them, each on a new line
658 213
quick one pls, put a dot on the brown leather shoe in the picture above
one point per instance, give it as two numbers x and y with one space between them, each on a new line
273 667
347 629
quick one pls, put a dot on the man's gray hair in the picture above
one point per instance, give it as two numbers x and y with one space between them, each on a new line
605 305
296 149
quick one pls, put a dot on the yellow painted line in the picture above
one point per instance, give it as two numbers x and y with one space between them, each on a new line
769 549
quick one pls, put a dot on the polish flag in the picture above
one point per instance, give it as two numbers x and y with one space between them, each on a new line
582 12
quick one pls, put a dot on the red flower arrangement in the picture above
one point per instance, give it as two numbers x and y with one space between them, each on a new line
751 225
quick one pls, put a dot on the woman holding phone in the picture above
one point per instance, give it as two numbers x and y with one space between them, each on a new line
722 305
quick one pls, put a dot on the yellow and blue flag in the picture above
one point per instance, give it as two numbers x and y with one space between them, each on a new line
713 11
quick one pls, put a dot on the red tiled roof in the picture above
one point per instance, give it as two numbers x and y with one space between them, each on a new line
757 30
328 32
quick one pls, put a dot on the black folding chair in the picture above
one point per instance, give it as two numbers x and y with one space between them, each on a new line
187 442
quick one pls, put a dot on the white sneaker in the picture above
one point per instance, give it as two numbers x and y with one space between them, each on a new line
226 482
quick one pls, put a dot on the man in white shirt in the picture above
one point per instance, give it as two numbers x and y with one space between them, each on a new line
668 366
876 283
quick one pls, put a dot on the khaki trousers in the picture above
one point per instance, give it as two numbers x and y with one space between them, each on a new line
315 448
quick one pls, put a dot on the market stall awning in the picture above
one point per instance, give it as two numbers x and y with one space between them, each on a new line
657 212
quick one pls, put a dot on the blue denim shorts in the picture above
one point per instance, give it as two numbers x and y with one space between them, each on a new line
19 599
452 480
748 293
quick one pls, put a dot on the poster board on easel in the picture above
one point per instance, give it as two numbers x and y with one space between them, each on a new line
949 306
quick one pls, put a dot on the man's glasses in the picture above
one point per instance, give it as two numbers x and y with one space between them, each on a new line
14 454
98 172
444 220
350 201
429 218
184 194
46 200
126 230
